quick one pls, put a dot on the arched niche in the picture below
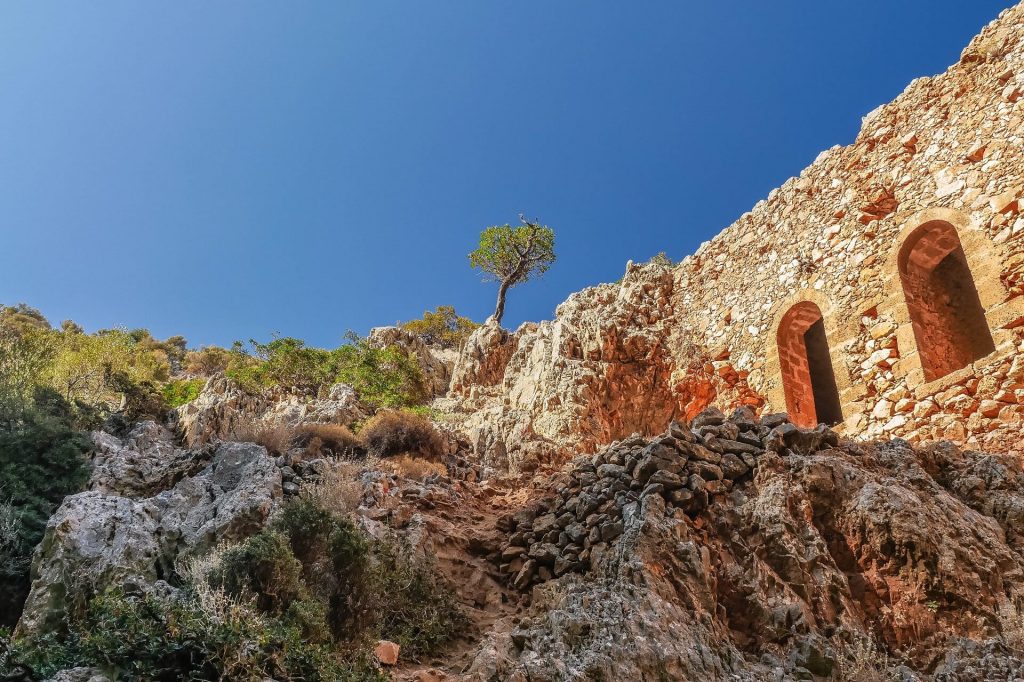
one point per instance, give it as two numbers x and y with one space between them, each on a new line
805 367
946 313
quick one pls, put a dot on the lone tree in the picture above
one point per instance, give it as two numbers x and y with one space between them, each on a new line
513 255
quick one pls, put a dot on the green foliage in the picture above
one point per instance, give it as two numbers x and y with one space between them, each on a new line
22 317
112 371
263 567
251 615
443 327
86 367
383 377
163 638
415 609
515 254
24 356
178 392
41 461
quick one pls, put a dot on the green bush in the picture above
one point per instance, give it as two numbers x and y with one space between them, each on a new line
443 327
414 607
258 611
309 557
178 392
155 638
41 461
383 377
264 567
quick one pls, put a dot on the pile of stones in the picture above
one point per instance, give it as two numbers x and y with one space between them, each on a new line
688 466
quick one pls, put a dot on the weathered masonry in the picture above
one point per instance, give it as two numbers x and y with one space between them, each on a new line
882 288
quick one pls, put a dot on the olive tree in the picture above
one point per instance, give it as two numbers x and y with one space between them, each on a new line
512 255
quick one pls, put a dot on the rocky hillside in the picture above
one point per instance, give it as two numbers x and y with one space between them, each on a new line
725 548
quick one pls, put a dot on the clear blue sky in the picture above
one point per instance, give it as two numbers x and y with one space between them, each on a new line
226 170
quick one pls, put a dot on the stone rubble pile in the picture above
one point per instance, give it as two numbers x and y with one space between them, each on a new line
687 466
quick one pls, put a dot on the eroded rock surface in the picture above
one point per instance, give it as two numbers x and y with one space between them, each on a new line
223 407
597 372
101 538
751 548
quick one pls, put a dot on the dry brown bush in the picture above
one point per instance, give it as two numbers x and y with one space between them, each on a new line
276 438
415 468
392 432
339 490
328 440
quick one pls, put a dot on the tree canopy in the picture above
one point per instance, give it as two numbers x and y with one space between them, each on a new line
513 255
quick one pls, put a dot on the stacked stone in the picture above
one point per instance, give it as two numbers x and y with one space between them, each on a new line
688 466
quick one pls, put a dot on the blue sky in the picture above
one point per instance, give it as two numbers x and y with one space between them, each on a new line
228 170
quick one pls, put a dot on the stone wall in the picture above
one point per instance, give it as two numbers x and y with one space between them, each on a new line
896 262
885 242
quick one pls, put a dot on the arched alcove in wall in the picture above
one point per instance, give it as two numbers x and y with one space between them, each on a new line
946 314
808 380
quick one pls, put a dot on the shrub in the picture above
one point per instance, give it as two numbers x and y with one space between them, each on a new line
415 467
40 462
328 439
207 361
338 490
443 327
394 432
181 391
194 638
275 437
415 608
383 377
307 526
264 567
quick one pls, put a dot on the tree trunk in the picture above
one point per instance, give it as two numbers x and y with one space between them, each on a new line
499 309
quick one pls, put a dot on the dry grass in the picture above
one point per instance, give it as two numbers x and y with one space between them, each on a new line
339 490
323 440
392 433
415 468
861 661
276 438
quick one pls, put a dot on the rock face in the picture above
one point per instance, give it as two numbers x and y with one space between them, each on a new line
598 372
223 406
752 549
99 538
146 461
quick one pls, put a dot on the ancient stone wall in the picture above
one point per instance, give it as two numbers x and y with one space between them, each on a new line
880 290
907 245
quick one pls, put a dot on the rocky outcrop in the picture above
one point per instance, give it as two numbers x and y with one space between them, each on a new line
484 357
752 549
599 371
99 538
223 407
143 463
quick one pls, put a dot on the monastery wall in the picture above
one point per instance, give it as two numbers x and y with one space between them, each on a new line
897 260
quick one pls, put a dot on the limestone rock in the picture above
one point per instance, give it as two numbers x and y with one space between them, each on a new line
97 538
146 461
